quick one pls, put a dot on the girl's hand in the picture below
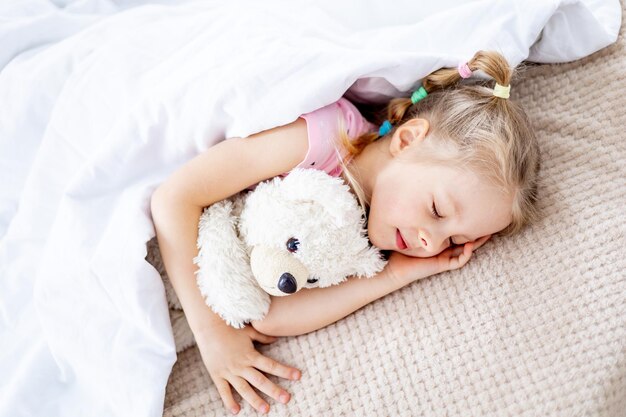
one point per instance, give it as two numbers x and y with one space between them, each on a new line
407 269
230 357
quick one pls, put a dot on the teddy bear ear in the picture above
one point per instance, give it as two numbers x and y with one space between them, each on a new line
318 187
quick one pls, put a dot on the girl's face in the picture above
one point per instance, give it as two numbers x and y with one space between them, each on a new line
420 209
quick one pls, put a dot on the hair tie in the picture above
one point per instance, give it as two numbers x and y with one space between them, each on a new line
464 70
418 94
501 91
384 128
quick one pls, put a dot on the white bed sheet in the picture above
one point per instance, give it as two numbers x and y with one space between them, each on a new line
100 101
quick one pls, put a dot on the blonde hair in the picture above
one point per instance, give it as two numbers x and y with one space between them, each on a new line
471 128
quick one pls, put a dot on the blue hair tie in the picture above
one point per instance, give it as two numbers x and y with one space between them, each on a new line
384 128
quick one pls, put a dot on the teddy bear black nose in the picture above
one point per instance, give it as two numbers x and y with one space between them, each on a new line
287 283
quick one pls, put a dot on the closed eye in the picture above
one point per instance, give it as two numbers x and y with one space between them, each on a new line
434 211
436 214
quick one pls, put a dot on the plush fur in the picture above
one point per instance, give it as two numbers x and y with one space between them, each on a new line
244 251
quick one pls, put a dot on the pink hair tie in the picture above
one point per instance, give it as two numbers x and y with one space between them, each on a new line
464 70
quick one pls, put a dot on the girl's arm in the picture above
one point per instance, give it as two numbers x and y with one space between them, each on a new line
221 171
314 308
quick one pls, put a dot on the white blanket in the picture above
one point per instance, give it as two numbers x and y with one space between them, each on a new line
99 103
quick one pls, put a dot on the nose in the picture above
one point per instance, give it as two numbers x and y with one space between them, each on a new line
430 243
287 283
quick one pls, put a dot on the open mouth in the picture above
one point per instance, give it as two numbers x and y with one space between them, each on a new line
400 241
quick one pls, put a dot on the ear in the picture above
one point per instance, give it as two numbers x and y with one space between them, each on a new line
318 187
408 134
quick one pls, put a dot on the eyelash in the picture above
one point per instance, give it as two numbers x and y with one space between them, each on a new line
433 210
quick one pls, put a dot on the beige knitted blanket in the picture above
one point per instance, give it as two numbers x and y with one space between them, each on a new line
534 325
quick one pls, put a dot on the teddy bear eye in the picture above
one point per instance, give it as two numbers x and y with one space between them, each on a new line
292 244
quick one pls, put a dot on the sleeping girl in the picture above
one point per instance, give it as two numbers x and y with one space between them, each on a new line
450 166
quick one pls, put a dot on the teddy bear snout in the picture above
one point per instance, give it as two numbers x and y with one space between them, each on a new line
277 271
287 283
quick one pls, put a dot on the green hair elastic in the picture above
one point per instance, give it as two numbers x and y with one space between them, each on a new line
417 95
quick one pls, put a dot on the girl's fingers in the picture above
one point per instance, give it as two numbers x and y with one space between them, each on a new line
481 241
464 256
456 251
467 252
261 382
270 366
223 388
248 394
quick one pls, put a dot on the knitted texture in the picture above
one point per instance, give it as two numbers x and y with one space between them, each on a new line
533 325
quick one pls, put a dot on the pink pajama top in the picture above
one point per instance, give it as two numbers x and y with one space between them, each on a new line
323 132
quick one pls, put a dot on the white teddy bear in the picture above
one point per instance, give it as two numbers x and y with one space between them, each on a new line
302 231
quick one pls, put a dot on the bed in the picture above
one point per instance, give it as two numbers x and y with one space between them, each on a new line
96 113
